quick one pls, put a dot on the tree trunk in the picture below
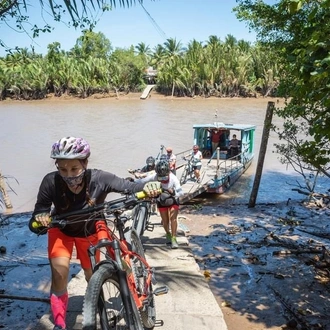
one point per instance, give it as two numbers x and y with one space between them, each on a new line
262 153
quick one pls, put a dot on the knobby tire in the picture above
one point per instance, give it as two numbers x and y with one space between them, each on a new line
103 306
184 175
141 218
192 174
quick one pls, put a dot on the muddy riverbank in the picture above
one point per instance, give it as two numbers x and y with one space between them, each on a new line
268 266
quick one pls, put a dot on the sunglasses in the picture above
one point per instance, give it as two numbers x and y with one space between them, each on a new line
162 178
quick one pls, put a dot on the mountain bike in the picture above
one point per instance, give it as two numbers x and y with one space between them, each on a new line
120 293
188 171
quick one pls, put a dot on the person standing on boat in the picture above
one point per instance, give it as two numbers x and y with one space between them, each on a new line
215 139
171 159
196 158
233 146
167 202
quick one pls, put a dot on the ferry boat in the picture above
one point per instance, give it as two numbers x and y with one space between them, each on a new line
221 167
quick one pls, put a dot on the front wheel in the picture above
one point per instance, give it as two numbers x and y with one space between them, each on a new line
141 217
184 175
103 304
192 174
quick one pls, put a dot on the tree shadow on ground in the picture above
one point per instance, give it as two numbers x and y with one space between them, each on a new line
266 263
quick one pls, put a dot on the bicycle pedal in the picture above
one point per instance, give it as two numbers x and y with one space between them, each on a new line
159 323
161 290
150 227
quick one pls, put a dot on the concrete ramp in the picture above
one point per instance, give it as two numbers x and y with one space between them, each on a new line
147 91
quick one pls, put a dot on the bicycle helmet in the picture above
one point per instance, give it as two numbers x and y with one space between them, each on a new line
162 168
150 161
163 157
70 148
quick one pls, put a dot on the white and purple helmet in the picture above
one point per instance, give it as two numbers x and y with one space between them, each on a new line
70 148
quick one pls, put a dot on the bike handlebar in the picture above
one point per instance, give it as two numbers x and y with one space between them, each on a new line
122 203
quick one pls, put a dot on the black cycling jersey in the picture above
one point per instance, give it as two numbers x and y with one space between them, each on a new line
54 192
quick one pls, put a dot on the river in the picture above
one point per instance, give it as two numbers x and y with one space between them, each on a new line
122 134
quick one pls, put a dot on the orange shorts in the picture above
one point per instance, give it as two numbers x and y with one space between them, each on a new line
165 208
61 245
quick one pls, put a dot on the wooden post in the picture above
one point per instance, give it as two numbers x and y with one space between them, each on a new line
262 153
4 193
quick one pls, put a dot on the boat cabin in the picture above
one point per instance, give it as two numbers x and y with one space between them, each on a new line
224 134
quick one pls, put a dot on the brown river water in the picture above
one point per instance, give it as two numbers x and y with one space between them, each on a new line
122 134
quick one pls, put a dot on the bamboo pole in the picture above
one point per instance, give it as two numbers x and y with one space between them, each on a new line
262 153
4 193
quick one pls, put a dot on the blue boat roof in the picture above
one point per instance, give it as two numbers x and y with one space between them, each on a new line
219 125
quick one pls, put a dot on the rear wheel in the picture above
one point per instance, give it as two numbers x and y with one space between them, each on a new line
148 311
103 304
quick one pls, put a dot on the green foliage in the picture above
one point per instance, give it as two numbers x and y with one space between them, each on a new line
298 32
230 68
92 44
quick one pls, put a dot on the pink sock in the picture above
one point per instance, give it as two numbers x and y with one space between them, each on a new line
59 305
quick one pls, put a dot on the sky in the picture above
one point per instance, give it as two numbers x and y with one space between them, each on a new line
184 20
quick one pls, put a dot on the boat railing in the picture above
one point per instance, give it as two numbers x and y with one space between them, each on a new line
227 165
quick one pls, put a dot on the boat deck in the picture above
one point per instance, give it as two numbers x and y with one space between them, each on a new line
192 188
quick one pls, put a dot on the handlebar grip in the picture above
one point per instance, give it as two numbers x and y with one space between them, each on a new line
140 195
37 227
35 224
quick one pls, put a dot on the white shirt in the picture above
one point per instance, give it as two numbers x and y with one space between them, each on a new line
196 158
171 159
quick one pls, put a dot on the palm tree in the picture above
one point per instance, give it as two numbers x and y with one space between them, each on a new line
86 6
157 56
173 48
144 52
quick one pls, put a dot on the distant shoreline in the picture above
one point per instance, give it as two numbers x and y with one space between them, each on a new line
129 96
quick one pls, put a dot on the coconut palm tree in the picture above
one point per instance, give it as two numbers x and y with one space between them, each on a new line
157 56
144 52
76 8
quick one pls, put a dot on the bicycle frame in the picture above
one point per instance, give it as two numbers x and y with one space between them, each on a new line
120 253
